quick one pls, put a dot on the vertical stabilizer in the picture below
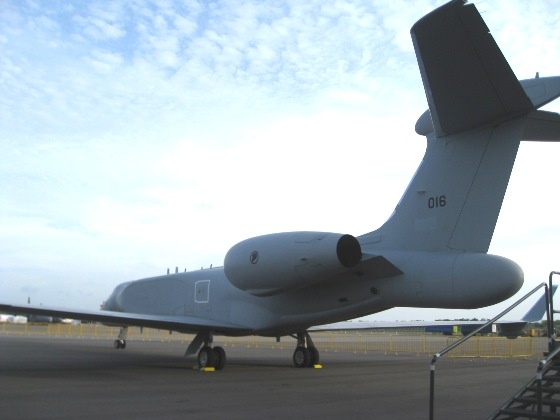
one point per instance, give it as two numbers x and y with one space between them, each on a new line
478 114
454 199
538 310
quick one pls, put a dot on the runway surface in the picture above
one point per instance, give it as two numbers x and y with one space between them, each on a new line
45 377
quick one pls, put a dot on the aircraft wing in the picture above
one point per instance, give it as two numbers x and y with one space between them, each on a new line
507 327
373 325
376 325
186 324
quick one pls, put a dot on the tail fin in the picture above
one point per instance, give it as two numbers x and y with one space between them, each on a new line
537 311
478 114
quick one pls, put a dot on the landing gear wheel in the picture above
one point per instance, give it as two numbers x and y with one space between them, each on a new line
120 344
313 356
301 357
206 357
219 358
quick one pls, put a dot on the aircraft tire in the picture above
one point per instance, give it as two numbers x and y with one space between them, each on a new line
219 357
301 357
313 356
206 357
119 344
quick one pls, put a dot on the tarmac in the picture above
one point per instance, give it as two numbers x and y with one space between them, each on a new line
62 378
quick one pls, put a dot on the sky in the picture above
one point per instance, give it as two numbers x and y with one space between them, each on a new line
137 136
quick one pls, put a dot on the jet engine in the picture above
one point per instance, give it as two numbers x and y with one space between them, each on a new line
272 264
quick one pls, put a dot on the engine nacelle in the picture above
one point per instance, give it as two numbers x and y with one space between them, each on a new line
276 263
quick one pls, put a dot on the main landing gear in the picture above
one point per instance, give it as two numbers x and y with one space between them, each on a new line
208 356
212 357
120 342
306 354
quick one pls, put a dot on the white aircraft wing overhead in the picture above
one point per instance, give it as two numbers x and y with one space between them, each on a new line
454 40
164 322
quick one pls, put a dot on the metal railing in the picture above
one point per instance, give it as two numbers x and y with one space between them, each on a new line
446 350
396 343
550 312
553 352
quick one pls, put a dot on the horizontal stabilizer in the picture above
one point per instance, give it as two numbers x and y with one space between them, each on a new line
541 90
542 126
467 80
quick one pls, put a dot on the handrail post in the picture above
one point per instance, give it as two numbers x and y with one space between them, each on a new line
432 384
550 321
549 318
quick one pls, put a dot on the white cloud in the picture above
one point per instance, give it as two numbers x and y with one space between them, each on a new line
105 61
101 21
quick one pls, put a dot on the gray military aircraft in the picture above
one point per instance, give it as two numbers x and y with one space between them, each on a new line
432 251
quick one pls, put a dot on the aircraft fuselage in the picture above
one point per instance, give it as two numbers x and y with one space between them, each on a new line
430 279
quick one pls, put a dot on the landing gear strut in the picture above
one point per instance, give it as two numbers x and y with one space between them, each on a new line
120 342
306 354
